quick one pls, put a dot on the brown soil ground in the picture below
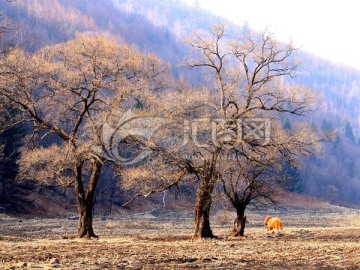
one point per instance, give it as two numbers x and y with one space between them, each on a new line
327 239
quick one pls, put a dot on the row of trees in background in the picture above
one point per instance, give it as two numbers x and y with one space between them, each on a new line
334 175
10 139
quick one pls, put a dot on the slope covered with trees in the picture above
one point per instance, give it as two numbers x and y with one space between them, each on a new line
159 27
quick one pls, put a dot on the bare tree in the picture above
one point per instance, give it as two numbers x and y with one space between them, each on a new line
244 185
246 79
248 182
69 93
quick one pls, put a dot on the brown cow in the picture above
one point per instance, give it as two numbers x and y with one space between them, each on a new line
273 223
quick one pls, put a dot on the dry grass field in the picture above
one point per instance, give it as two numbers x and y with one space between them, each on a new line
328 239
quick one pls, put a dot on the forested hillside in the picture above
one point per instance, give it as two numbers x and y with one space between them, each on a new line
159 27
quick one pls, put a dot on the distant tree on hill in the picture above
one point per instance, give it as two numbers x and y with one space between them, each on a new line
337 146
287 124
291 178
326 125
349 132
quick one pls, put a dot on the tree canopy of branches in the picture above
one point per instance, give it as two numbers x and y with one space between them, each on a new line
248 77
68 92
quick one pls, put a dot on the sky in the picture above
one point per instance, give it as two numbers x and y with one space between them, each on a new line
328 29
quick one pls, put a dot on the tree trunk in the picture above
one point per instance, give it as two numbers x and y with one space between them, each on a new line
2 191
86 201
239 223
85 228
202 212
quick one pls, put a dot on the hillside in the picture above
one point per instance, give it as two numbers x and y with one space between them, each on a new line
158 27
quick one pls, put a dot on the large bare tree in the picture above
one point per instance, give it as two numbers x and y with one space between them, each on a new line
248 86
247 78
71 93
